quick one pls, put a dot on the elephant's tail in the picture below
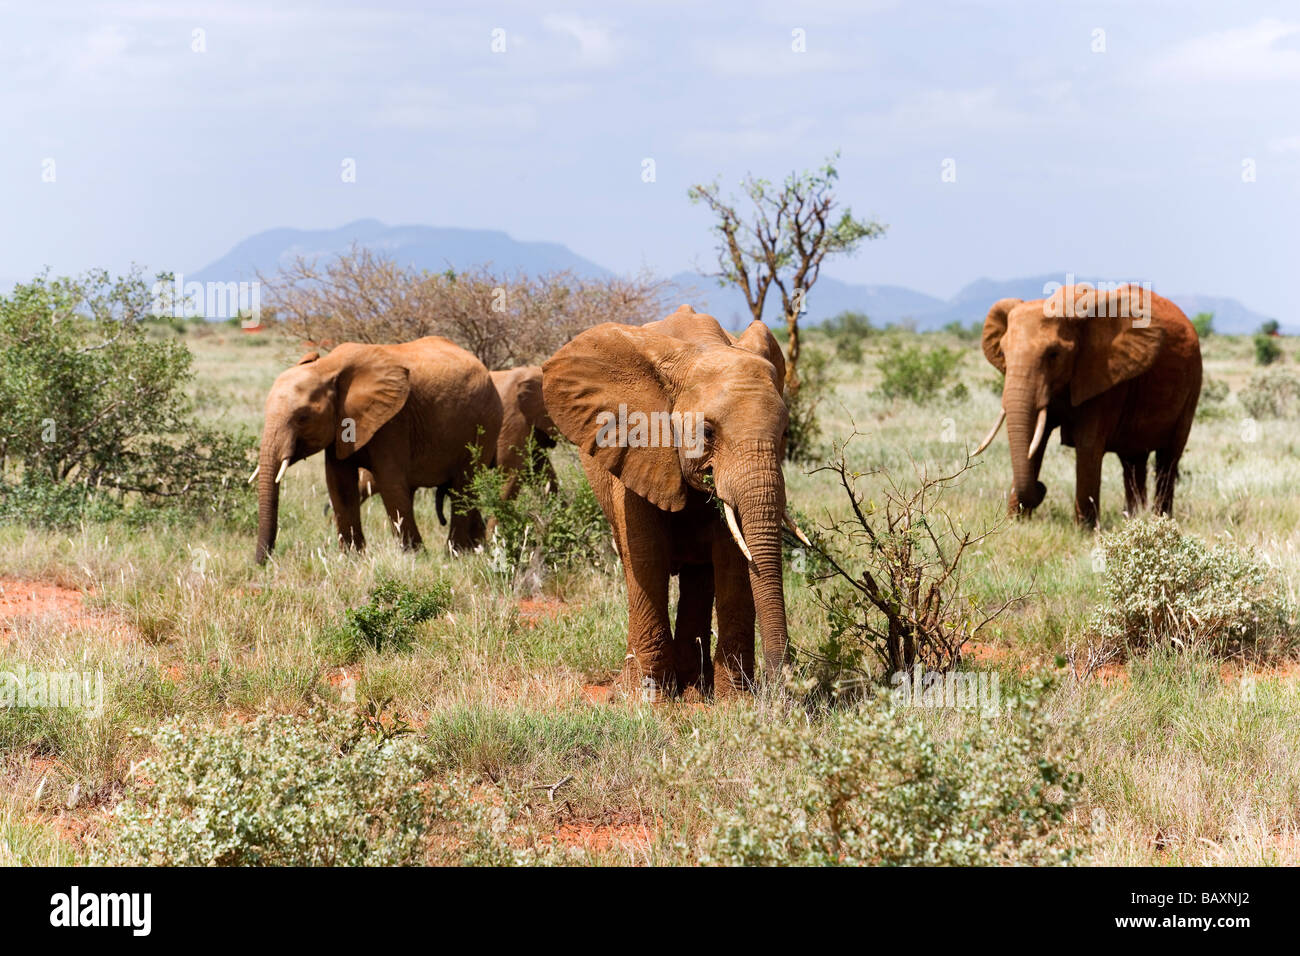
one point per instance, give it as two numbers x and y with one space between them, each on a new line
441 497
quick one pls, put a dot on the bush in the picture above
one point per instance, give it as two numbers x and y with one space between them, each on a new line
1204 325
94 403
875 785
390 619
891 583
542 529
1267 351
1161 586
847 330
278 791
1211 403
916 373
505 320
1272 394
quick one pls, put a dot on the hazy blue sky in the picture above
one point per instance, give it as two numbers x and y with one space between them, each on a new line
1126 163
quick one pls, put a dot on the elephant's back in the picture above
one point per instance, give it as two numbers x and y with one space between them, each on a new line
457 401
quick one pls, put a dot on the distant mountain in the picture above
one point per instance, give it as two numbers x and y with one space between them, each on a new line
424 247
437 248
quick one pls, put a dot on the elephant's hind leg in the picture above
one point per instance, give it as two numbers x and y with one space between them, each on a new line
1135 483
1166 478
692 637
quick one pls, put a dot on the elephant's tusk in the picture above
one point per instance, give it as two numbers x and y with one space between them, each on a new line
284 465
735 532
254 474
1038 432
988 439
794 529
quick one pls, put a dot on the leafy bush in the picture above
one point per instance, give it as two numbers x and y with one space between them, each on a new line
1161 586
1267 351
1272 394
1214 393
542 529
915 373
92 401
876 785
278 791
1204 325
847 330
967 333
389 618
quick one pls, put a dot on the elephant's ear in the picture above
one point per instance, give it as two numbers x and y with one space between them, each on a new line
1112 350
758 338
995 326
309 358
585 383
371 390
531 402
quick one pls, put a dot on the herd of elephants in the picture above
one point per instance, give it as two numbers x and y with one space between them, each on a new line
1115 370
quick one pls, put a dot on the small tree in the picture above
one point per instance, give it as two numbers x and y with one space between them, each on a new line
791 231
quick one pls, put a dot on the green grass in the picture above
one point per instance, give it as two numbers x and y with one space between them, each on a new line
1178 765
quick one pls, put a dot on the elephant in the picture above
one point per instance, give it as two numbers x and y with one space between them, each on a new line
699 494
410 414
523 415
1116 370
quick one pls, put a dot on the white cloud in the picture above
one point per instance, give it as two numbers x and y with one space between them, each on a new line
596 45
1265 52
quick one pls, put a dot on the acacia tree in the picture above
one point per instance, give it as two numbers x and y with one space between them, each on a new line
789 232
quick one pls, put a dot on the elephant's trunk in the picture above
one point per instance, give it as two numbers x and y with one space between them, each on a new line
1020 399
270 459
760 506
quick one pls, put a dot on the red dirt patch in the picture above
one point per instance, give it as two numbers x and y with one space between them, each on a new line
602 837
597 693
41 601
532 611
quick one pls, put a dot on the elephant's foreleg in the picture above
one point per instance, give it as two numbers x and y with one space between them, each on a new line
345 499
692 637
1087 482
733 662
642 533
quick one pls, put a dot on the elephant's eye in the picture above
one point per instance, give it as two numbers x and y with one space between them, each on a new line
707 431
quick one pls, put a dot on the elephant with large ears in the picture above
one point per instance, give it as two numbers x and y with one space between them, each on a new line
414 415
525 424
681 431
1116 370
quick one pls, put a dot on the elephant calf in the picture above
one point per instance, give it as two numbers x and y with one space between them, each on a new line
408 414
1117 371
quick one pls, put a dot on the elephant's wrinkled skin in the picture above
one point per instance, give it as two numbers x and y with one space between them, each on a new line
1112 377
660 501
406 413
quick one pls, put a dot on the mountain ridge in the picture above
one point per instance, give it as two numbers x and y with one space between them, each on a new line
440 247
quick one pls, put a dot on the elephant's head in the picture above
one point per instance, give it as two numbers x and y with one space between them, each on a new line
337 402
679 404
1062 350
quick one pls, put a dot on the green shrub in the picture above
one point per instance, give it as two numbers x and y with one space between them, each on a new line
279 791
1274 393
847 330
1161 586
544 528
878 785
1214 393
1204 325
915 373
93 401
1267 351
389 619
